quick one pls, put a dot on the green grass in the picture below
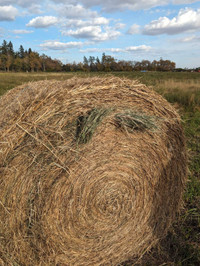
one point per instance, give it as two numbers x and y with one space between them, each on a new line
86 125
187 229
11 80
131 121
182 244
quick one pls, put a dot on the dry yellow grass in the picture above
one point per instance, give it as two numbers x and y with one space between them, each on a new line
183 92
92 171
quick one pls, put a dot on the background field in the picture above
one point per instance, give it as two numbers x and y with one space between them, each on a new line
182 244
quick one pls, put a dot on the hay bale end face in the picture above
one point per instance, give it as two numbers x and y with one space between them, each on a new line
92 171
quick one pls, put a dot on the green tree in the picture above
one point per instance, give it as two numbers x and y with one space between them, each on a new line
7 55
25 63
34 61
9 61
3 62
18 64
92 63
103 60
4 48
10 49
154 65
107 62
86 67
21 52
99 66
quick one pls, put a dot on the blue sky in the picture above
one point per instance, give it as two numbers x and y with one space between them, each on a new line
128 29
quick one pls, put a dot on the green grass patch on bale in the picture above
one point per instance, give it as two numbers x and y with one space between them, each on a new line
130 121
87 124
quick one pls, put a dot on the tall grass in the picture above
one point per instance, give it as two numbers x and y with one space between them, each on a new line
185 93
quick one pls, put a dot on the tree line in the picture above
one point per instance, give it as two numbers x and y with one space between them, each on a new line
109 63
30 61
25 60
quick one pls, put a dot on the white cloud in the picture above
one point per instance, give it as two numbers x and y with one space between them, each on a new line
35 9
181 2
188 39
32 7
70 8
101 50
55 45
83 23
119 26
186 20
141 48
112 5
134 29
75 11
100 21
76 23
131 49
22 31
8 13
22 3
93 33
42 22
192 39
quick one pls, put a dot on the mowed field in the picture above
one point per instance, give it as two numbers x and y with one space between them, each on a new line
182 244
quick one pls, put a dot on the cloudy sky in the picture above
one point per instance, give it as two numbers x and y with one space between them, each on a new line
126 29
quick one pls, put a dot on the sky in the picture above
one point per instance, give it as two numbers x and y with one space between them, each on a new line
132 30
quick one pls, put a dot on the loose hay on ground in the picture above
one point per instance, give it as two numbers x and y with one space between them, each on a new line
92 171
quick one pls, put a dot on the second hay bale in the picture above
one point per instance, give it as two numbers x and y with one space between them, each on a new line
92 171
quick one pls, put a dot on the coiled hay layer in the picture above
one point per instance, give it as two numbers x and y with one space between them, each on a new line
91 171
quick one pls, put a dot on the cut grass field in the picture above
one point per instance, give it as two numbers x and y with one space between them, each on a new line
182 244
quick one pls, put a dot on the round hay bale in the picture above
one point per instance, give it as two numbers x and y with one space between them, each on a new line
92 171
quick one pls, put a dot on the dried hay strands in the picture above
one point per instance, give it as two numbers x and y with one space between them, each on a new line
92 171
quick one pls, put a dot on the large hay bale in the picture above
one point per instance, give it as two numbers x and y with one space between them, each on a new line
92 171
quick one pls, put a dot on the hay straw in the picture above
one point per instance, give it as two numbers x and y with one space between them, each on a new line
92 171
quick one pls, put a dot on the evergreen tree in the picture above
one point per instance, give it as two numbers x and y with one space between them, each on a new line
21 52
85 61
98 64
91 62
3 61
4 47
103 59
97 60
10 49
85 64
